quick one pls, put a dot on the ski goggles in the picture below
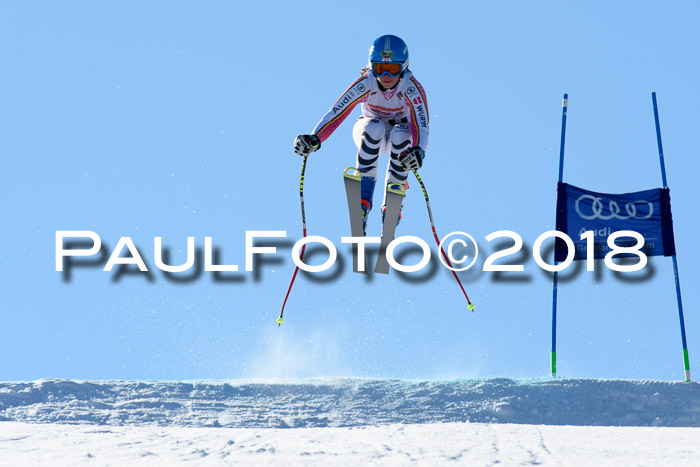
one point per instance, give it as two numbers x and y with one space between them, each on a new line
384 68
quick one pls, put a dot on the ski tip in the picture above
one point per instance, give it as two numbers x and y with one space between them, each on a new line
471 307
352 173
397 188
279 321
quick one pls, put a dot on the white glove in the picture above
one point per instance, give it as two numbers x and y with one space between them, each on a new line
306 144
412 159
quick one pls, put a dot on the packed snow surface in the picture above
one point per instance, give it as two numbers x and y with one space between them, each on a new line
350 421
353 402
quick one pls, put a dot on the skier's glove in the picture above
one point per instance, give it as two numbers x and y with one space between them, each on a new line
412 159
306 144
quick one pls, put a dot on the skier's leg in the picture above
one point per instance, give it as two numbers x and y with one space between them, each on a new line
368 134
399 141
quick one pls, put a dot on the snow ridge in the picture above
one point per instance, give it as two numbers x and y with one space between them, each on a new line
349 402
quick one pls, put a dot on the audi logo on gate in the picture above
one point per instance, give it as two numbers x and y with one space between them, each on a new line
613 209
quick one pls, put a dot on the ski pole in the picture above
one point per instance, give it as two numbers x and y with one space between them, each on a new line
280 320
432 225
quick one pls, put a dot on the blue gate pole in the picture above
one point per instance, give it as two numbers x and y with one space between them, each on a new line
686 360
555 277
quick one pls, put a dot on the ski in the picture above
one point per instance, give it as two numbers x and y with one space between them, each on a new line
353 180
395 193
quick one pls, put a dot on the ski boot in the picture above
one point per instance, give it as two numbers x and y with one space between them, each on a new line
366 207
384 212
401 209
366 192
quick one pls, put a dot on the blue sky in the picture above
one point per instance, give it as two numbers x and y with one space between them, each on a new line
177 120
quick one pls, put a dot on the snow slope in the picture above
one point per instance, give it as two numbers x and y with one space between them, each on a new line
346 421
353 402
431 444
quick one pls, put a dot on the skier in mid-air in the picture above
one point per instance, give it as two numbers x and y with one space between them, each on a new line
394 119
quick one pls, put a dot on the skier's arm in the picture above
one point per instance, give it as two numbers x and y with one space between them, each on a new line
419 116
355 94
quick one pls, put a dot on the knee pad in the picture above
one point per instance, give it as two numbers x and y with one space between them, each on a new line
375 129
400 134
